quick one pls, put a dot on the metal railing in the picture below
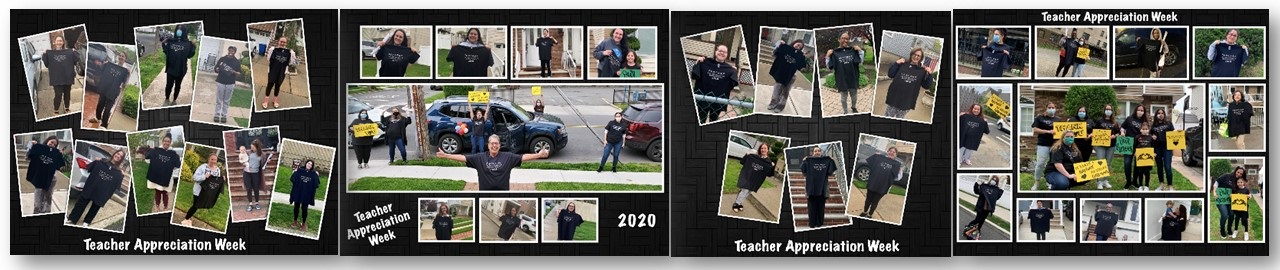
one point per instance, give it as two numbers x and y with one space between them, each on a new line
499 68
569 64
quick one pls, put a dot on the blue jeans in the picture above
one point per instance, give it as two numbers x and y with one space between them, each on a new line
1042 159
392 144
1224 219
1078 71
477 143
609 148
1164 169
1057 181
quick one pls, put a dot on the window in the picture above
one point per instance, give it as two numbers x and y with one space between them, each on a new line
739 141
455 110
1026 114
1131 212
1155 108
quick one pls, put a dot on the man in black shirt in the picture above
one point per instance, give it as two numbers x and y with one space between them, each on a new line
1106 223
227 68
493 168
544 44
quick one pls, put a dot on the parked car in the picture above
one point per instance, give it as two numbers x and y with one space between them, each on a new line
96 52
354 106
740 146
645 131
367 47
528 224
31 63
1194 154
861 172
1003 125
519 129
1126 45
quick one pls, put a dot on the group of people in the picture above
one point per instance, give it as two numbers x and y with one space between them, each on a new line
1069 55
1055 158
1230 218
614 56
395 127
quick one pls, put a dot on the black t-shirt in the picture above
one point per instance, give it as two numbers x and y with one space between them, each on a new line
567 224
396 128
786 61
1132 126
210 190
305 183
1045 123
846 63
1066 157
1238 114
1072 48
494 173
443 227
544 48
884 171
816 170
988 194
908 80
111 80
163 162
994 60
714 78
1040 219
395 60
614 131
1159 129
61 65
1149 52
1106 223
176 54
279 61
43 162
102 181
1228 60
507 225
227 68
754 170
972 128
470 61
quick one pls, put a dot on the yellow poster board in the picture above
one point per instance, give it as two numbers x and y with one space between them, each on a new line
478 96
1239 202
998 105
364 130
1146 156
1101 137
1081 129
1083 53
1176 139
537 90
1092 169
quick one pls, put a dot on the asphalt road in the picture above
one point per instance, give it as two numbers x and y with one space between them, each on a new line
387 100
989 231
994 150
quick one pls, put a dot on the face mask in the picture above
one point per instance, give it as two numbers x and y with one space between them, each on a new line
1069 140
1051 110
178 33
1140 113
995 38
1080 114
364 116
1107 112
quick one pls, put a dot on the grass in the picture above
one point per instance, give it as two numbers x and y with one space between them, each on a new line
893 189
284 185
731 170
459 223
143 196
1255 223
282 218
67 174
808 76
369 68
435 97
1180 182
243 122
542 165
242 98
999 221
469 239
585 232
215 216
406 184
150 67
132 99
582 186
446 67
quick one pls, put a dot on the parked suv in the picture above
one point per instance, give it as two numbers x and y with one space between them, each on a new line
861 172
519 129
1127 45
645 131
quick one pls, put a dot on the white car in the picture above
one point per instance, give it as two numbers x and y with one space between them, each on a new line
740 146
528 224
1003 125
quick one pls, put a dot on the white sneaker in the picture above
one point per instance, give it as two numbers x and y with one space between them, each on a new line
1246 237
1099 185
1035 185
1233 235
1106 183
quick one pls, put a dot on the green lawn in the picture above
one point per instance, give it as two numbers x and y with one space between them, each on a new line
459 225
446 67
406 184
242 98
1180 182
284 185
894 189
143 196
150 67
242 122
731 170
282 218
433 98
215 216
369 68
583 186
67 174
585 232
132 101
999 221
1255 223
543 165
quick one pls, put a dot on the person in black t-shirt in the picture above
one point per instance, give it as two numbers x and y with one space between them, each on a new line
1068 46
995 57
1239 112
395 56
609 54
162 162
755 168
1226 57
1060 171
613 140
61 63
787 61
885 169
112 78
443 223
910 77
228 69
567 222
846 62
1105 122
714 78
508 223
1222 188
44 160
972 128
279 58
1164 157
1105 223
177 50
1040 218
989 194
396 126
471 57
1132 128
493 168
1172 225
1151 53
105 176
1042 128
544 44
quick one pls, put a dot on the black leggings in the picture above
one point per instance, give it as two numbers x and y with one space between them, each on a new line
1142 176
710 111
191 211
80 206
172 86
1064 66
274 85
1240 218
873 200
103 110
252 185
62 96
817 211
980 219
362 153
545 68
1040 236
300 208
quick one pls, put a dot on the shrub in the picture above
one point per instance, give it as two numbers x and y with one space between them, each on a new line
457 90
1254 38
1219 167
131 101
1092 97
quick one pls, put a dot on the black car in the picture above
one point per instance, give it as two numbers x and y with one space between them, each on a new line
520 130
1127 45
1194 154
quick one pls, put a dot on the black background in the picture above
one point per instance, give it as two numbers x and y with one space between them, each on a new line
1190 18
699 152
47 235
613 241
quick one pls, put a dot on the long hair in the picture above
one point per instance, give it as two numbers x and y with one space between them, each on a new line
992 32
1144 118
1157 120
1243 173
257 147
1111 118
1059 144
1156 32
51 138
1232 99
975 104
443 210
1182 211
479 35
122 158
403 33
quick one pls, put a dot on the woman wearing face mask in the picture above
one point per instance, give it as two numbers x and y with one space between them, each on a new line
567 222
972 128
1132 128
362 145
631 63
279 58
1151 53
609 53
909 78
1164 156
1042 128
397 126
471 57
209 182
755 168
177 51
1079 62
443 223
302 195
104 178
613 140
61 63
1061 172
1105 122
394 54
713 77
538 107
1085 144
846 63
1223 186
995 55
989 193
1239 112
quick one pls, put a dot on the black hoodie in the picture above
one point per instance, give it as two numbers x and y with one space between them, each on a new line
614 131
1238 114
395 60
43 163
1106 223
102 181
443 225
816 171
884 171
279 61
972 128
713 78
988 195
62 66
177 50
470 61
754 170
227 68
994 60
847 64
163 161
1040 220
544 48
1171 228
786 61
908 79
567 224
507 225
111 80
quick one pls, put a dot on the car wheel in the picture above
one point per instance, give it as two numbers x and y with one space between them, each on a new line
1172 57
862 173
654 150
541 143
451 143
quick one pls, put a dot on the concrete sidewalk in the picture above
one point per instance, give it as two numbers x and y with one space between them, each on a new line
518 176
153 97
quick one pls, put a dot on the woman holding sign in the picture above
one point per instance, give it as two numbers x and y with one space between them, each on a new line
1164 156
1130 129
1061 170
1222 188
1081 58
1102 134
1084 143
362 145
1240 208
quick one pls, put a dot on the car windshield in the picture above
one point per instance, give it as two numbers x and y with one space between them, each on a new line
526 114
355 105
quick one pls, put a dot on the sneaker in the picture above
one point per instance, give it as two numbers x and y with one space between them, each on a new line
257 207
1099 184
1035 185
277 103
1246 236
1106 183
1233 235
249 209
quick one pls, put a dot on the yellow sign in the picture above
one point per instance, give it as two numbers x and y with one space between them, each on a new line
364 130
1146 156
1092 169
537 90
478 96
1239 202
998 105
1176 139
1083 53
1101 137
1081 129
